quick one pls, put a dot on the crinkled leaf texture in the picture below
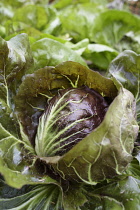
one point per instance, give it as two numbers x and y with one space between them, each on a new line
126 69
107 150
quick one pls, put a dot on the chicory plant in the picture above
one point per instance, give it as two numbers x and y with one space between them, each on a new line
67 133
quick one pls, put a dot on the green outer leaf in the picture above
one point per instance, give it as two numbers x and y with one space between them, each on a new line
15 164
16 27
49 52
134 167
7 119
100 55
103 153
120 195
16 58
3 55
74 197
79 47
126 69
47 196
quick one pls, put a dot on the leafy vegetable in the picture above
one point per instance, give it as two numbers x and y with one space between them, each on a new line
85 15
45 169
31 102
114 25
32 17
72 159
69 137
